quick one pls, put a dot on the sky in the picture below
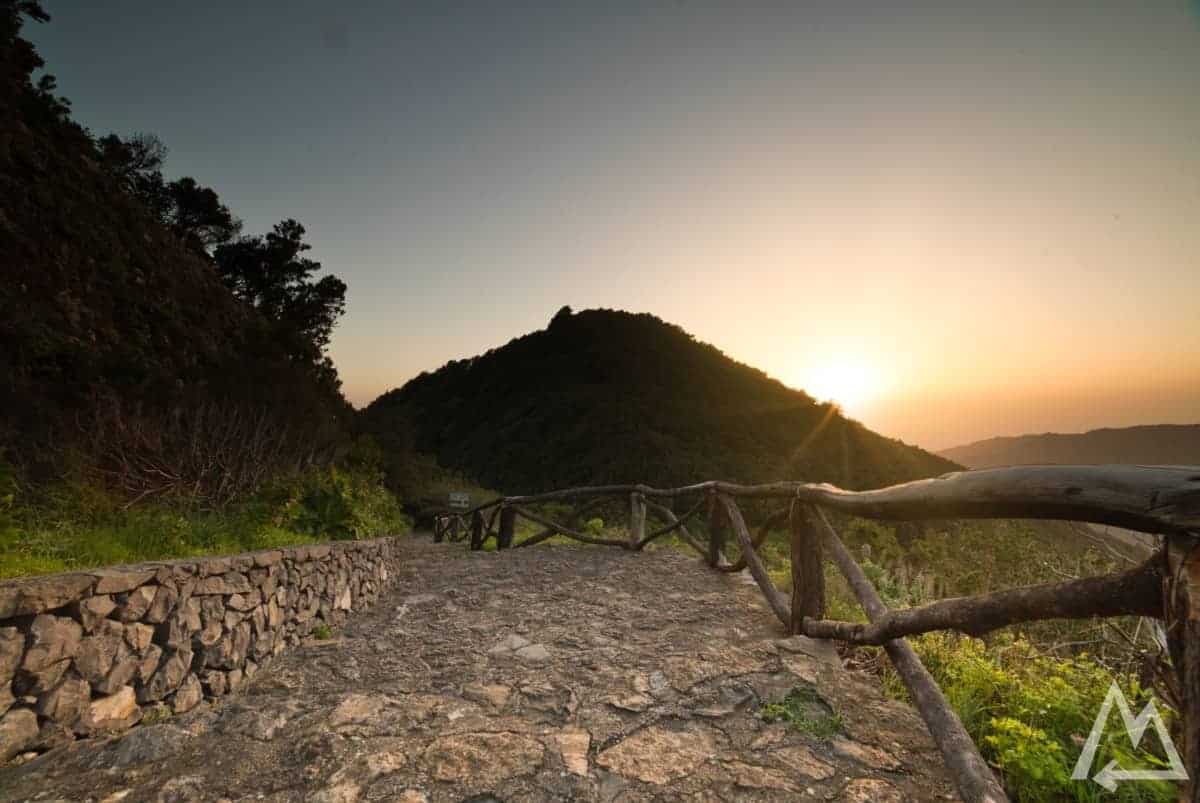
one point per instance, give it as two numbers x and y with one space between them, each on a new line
959 220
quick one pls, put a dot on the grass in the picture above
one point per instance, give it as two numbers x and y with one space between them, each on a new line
804 710
322 632
74 525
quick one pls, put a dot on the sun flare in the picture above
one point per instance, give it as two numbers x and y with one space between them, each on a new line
847 382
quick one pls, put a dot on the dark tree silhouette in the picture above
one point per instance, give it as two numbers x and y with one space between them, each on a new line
197 215
194 212
116 331
602 396
18 61
136 163
270 274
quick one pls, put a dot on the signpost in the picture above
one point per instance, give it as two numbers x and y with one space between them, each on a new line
459 500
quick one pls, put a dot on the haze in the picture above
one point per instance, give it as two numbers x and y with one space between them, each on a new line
987 213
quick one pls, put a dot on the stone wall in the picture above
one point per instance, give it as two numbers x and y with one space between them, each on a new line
94 652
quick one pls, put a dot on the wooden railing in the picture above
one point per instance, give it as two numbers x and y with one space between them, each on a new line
449 526
1157 499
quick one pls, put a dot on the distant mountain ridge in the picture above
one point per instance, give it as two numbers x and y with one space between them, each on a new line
604 396
1162 444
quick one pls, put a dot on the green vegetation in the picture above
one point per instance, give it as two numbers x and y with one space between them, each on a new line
322 632
73 525
1028 695
804 710
165 392
602 396
1030 712
155 714
165 389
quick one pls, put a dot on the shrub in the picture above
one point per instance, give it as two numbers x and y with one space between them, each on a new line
1029 713
1034 765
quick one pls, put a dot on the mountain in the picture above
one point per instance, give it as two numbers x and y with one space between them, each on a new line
603 396
1164 444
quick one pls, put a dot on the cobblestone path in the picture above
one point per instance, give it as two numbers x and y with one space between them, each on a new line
544 674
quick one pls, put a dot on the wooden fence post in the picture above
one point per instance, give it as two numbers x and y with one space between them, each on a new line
438 531
477 530
455 527
1181 609
716 531
508 521
637 519
808 571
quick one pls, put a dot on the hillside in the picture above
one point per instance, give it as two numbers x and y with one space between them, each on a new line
1164 444
605 396
118 338
164 386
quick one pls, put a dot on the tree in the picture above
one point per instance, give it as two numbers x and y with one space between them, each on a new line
18 61
270 274
121 348
194 212
137 164
197 215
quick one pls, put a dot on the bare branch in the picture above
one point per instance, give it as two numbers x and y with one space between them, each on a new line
568 532
972 776
1135 592
778 602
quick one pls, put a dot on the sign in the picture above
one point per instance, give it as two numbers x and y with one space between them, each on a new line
1112 773
459 500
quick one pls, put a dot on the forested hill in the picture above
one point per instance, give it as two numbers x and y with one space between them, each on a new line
606 396
135 324
1163 444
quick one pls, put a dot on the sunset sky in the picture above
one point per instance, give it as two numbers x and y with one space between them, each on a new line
963 219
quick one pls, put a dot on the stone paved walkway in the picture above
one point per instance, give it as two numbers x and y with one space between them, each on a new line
544 674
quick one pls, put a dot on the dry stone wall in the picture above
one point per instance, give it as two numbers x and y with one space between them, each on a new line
94 652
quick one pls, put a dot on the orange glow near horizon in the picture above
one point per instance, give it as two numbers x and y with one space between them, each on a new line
957 226
849 382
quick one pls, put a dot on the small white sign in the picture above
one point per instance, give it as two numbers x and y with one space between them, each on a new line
1135 727
459 500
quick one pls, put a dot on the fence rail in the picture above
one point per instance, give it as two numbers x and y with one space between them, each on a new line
1156 499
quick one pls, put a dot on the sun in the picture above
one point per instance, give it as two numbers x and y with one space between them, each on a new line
848 382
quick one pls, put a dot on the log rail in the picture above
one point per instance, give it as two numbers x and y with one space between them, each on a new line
1156 499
